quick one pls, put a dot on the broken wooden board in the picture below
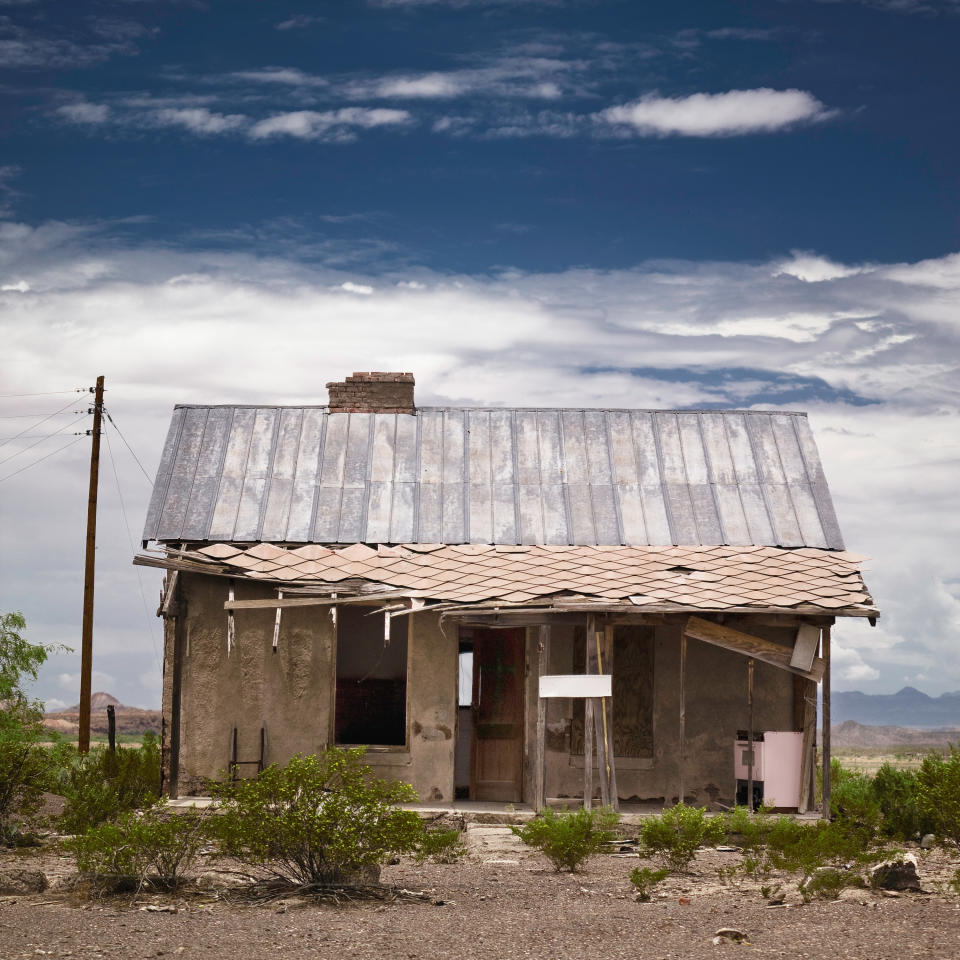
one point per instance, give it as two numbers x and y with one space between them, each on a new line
750 646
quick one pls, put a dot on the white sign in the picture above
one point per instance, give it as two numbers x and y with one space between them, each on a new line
576 685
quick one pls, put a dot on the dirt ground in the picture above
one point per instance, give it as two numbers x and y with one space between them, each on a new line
504 901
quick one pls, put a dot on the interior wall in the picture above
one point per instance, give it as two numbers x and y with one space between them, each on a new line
716 708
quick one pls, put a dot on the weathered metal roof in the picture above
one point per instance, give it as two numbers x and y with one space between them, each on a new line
508 476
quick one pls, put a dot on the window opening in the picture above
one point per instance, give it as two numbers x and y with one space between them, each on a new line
632 670
371 691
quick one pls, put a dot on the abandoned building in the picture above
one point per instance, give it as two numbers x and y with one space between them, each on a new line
373 572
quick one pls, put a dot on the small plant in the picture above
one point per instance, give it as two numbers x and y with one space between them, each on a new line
440 846
852 797
896 793
828 883
567 839
938 793
674 837
954 882
104 784
645 879
149 847
319 820
748 830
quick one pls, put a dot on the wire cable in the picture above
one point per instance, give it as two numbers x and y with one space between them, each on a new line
124 439
46 436
133 549
41 459
44 420
52 393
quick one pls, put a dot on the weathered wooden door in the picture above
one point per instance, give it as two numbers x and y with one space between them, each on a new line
497 750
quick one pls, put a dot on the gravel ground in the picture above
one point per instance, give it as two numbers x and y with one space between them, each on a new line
504 901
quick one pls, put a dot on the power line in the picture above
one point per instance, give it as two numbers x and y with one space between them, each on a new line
133 549
45 436
52 393
45 457
23 416
124 439
37 424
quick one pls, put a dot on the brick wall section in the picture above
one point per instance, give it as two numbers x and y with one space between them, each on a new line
373 392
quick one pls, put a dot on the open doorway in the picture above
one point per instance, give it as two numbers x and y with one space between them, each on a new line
489 752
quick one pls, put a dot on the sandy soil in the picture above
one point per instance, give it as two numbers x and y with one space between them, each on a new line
503 902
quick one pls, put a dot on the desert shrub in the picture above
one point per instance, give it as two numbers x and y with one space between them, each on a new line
674 837
896 793
954 882
645 879
103 784
938 793
748 830
151 846
440 846
567 839
852 797
320 819
828 883
25 764
828 855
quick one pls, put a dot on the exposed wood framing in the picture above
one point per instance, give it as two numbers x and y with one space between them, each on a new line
683 717
539 754
749 646
179 638
825 736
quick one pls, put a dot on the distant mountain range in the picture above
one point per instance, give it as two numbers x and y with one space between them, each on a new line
129 719
908 707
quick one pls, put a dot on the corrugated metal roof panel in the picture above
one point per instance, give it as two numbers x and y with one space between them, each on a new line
478 475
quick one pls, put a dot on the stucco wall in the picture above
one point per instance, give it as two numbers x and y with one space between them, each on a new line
289 693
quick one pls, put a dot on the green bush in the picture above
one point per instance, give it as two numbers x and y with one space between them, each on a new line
852 797
567 839
896 793
645 879
938 793
674 837
25 765
748 830
440 846
103 784
151 846
319 820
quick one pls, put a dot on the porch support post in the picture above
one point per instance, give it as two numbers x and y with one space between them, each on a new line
805 717
540 750
825 736
179 637
588 753
683 713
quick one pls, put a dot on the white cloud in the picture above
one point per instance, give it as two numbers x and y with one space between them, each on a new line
716 114
84 112
298 22
197 120
874 358
285 76
814 269
365 290
333 125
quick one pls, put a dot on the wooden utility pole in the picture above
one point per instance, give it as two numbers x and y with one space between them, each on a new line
86 642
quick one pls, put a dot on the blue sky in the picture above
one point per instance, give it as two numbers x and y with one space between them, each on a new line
523 201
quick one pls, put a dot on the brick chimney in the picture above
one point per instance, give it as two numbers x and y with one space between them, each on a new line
374 392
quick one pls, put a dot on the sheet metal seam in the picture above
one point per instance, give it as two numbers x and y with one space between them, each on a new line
614 488
712 480
268 484
166 486
517 531
318 476
667 506
762 483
